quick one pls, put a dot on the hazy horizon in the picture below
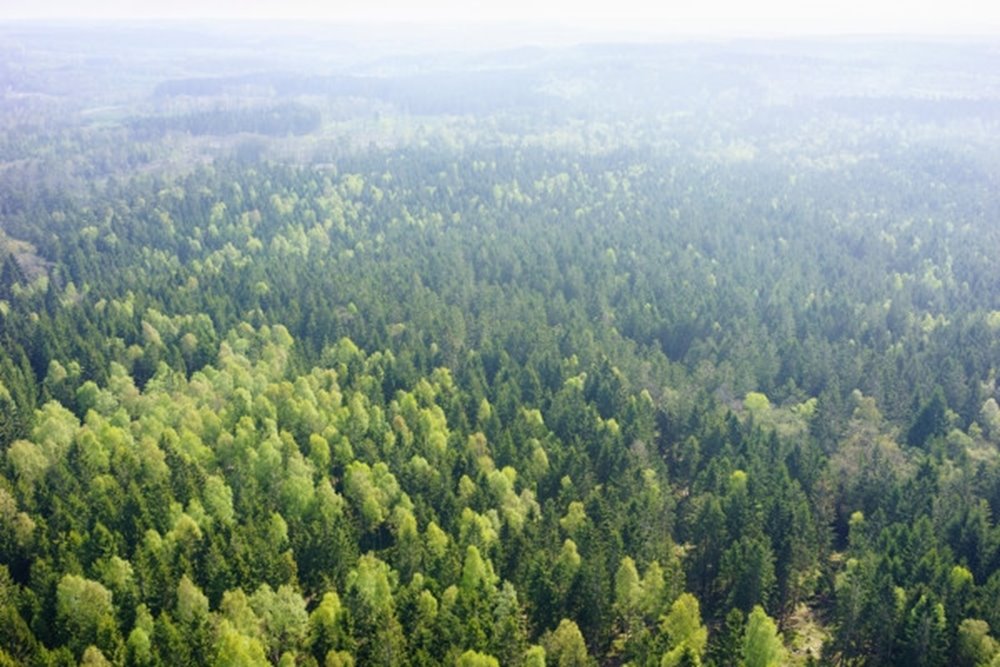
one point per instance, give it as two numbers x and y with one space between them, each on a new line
638 18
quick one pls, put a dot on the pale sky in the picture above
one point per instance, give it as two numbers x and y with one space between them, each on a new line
824 16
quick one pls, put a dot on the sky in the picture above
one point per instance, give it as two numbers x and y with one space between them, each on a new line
703 16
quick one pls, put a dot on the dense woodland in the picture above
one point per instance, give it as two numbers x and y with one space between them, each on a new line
653 355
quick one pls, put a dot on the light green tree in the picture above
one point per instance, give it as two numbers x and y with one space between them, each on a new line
283 617
975 646
92 657
370 599
327 629
762 647
685 633
338 659
85 613
238 650
565 646
192 605
534 657
476 659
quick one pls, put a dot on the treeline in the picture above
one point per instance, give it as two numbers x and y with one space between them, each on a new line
276 121
450 92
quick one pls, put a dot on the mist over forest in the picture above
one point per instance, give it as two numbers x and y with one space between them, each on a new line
413 344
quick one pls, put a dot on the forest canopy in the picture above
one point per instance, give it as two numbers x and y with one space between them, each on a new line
668 354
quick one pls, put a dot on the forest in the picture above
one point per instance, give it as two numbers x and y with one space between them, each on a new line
666 354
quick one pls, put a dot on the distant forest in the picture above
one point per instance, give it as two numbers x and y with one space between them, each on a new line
678 354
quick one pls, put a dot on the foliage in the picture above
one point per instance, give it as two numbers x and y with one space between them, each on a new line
458 381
